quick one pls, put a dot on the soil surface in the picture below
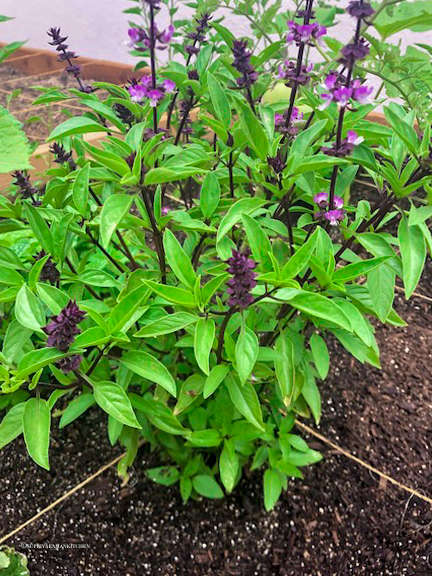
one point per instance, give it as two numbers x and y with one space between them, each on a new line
340 520
18 92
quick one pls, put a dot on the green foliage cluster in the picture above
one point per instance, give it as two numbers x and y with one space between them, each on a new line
138 228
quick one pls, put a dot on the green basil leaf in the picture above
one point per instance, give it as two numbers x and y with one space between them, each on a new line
246 353
272 488
178 260
150 368
12 424
246 400
113 399
215 379
203 342
210 195
320 355
413 251
36 428
80 189
207 486
167 325
76 408
76 125
29 311
228 465
219 100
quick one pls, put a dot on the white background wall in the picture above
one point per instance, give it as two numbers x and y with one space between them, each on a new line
98 28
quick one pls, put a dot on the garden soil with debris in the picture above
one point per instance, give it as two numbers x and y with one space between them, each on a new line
340 520
18 92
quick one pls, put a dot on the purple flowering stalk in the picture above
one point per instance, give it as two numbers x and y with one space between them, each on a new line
66 55
302 35
61 156
198 37
333 216
248 74
342 91
63 328
240 285
61 333
25 188
49 272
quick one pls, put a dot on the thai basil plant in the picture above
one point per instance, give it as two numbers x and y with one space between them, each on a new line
183 272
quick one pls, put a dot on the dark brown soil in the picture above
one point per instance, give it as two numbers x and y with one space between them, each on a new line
340 520
17 93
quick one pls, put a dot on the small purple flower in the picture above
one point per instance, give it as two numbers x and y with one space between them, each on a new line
353 138
166 210
155 96
322 199
334 216
361 92
243 280
62 329
70 363
305 33
169 85
360 9
138 36
166 35
342 94
135 35
138 92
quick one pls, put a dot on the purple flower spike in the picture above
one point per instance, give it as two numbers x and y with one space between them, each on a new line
360 9
287 72
243 280
62 329
242 64
291 129
353 52
70 363
67 56
334 216
49 272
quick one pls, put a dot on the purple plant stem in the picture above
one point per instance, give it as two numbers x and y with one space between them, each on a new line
153 64
300 55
